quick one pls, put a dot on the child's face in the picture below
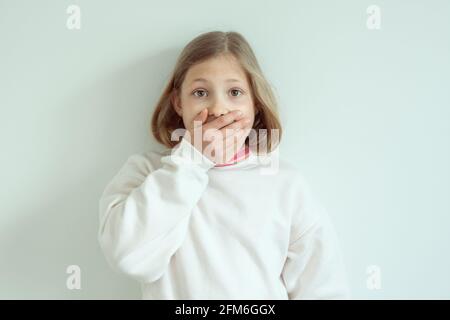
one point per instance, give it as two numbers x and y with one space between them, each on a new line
216 93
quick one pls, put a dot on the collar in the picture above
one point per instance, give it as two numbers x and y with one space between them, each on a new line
242 154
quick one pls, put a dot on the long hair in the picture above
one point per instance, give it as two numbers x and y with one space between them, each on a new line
209 45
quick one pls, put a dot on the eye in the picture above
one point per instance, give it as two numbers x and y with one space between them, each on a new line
236 90
199 90
235 93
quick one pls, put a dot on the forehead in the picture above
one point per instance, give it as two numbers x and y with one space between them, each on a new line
221 68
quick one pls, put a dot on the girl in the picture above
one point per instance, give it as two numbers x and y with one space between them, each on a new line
201 219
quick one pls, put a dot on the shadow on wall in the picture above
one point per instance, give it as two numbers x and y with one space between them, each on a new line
93 131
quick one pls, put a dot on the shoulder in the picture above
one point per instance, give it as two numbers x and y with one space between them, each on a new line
292 174
299 182
134 170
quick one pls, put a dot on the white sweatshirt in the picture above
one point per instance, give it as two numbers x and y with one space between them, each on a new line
186 229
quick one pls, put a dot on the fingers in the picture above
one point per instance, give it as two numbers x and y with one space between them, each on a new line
236 136
228 131
243 123
224 120
233 144
224 148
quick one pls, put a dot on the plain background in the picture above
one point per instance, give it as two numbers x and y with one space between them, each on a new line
365 114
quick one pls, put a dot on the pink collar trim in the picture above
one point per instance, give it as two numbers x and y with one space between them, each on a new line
239 156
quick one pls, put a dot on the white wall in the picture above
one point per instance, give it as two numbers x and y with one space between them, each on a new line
366 115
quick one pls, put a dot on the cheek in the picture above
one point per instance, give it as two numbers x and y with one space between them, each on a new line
194 104
248 108
190 108
244 105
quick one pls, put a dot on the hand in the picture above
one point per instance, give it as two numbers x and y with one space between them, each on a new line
221 138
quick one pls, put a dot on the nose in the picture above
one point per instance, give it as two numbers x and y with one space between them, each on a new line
216 110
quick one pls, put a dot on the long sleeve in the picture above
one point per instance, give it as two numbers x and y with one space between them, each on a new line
144 212
314 267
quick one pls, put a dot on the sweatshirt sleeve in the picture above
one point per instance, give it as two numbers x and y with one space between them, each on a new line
144 213
314 267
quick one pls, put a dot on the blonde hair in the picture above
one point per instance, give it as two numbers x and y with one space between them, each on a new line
209 45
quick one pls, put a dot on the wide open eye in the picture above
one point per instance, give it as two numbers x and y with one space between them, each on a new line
199 90
236 90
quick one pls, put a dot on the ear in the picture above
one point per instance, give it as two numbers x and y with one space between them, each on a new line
176 103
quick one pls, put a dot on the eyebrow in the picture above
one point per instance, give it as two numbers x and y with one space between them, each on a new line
204 80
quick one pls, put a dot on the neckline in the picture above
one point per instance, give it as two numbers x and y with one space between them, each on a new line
242 154
250 161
